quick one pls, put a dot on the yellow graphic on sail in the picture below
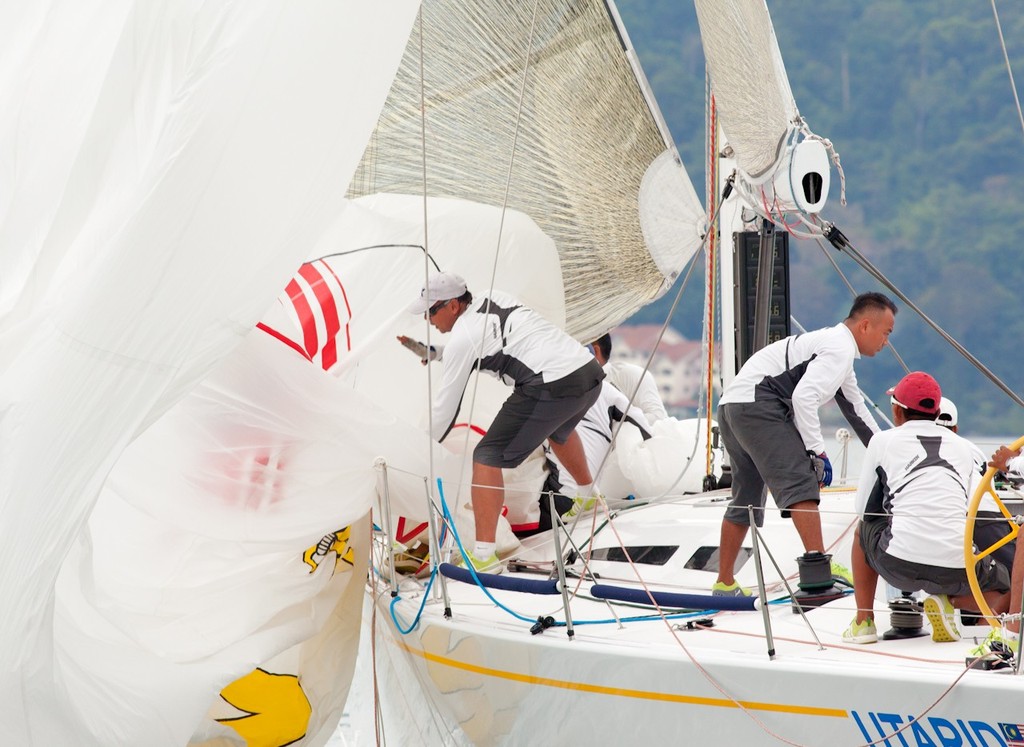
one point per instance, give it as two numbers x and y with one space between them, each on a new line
277 709
338 542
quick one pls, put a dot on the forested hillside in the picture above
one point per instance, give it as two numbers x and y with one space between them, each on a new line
916 98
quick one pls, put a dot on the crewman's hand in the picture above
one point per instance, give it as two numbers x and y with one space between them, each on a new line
1003 455
418 348
822 468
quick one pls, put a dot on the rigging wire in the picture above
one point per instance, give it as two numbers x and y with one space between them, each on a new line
501 224
853 293
702 249
426 254
840 242
654 349
358 249
1009 69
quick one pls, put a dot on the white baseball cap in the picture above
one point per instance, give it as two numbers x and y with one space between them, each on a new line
444 286
947 413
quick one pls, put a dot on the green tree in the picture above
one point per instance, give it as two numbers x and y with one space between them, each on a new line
916 99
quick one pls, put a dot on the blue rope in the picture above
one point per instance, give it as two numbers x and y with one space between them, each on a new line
426 592
419 612
450 523
637 618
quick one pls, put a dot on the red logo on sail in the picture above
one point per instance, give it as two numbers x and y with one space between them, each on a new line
316 297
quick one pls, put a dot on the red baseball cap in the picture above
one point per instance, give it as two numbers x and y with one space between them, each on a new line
917 391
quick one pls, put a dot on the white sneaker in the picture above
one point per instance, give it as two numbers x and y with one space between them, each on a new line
939 611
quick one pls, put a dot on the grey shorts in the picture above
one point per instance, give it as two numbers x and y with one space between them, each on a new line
908 576
765 452
528 418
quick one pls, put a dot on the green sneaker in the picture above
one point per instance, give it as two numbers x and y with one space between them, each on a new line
492 564
862 633
581 505
998 644
939 611
842 574
729 590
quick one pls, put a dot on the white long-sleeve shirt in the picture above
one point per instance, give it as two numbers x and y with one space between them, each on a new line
809 369
987 502
1015 465
595 431
919 473
511 342
629 377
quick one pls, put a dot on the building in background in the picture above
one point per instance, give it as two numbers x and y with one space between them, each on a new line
677 366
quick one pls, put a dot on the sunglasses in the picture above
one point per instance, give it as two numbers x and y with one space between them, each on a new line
435 308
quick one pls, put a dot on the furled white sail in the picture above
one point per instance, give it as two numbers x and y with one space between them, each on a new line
752 93
541 107
164 168
782 168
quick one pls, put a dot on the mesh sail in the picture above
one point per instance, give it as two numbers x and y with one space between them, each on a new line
580 148
752 93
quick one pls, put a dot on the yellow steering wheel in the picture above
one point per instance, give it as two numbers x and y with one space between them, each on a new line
970 557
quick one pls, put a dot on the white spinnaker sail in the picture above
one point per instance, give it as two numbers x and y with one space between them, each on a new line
164 167
361 277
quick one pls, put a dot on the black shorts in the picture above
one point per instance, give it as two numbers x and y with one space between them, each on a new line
532 415
563 503
906 575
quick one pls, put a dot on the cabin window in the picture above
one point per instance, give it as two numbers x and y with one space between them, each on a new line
706 559
647 554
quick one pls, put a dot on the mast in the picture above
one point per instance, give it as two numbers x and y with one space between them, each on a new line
711 284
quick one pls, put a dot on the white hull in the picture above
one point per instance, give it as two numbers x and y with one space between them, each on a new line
487 680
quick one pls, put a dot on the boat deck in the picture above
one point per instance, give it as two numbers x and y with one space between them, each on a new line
703 669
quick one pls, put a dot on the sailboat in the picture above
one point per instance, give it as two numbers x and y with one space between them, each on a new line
210 225
603 631
197 335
